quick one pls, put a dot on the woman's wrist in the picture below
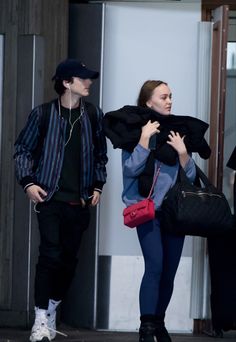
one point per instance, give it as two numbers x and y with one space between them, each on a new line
144 141
183 158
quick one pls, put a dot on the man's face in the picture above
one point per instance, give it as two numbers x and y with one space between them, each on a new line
80 86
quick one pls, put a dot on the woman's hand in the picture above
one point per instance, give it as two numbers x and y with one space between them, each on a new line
177 142
148 130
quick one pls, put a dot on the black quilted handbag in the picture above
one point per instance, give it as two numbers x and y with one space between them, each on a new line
197 210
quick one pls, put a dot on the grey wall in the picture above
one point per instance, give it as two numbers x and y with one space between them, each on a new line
30 28
85 27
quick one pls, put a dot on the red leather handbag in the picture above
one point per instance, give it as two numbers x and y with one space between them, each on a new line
139 213
142 211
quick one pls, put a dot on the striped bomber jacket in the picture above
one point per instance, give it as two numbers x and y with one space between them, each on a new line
39 151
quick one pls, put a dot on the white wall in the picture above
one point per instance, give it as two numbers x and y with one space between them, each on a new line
143 41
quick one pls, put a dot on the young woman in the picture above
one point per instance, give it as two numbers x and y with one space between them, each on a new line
161 251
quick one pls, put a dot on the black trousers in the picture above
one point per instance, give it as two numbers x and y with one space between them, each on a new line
61 227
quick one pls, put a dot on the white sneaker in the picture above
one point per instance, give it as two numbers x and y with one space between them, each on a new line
51 317
40 331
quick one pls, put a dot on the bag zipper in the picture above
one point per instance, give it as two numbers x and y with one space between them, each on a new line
185 193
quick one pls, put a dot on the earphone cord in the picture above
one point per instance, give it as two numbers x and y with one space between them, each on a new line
70 110
69 120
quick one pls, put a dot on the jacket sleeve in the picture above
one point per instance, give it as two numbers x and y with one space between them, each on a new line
24 147
134 163
100 153
190 169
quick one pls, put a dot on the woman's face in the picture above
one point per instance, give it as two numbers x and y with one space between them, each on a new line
160 101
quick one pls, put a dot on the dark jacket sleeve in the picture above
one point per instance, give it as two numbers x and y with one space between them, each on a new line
25 145
100 153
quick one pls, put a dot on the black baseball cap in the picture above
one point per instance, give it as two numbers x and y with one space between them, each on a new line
73 68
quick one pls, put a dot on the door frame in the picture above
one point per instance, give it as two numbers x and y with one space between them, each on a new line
218 93
217 111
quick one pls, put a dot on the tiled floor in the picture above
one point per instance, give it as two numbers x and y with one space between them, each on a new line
20 335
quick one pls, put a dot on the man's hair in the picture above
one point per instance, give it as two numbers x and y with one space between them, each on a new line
146 92
59 87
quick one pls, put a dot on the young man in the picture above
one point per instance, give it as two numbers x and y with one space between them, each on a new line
60 159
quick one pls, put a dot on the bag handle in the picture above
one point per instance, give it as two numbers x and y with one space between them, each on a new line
154 181
199 174
203 177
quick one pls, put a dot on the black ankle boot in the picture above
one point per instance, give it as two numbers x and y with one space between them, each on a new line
147 332
161 333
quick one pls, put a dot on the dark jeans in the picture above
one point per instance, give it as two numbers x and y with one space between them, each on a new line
161 254
61 227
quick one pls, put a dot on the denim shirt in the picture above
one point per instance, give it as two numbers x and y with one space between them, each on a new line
133 165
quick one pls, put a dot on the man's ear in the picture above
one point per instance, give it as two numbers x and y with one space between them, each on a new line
148 104
66 84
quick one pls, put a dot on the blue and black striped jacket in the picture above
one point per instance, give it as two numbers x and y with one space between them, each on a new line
45 170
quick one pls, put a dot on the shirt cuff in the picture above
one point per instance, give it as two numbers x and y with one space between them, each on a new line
98 186
26 181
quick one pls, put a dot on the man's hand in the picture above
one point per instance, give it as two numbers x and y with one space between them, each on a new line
95 198
36 193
